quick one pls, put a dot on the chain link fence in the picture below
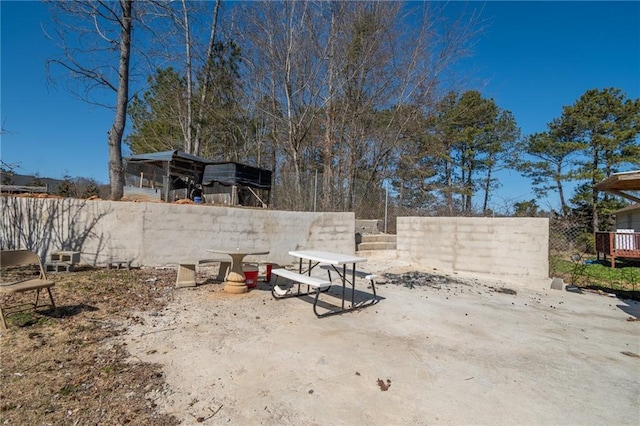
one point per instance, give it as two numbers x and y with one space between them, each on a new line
573 257
367 199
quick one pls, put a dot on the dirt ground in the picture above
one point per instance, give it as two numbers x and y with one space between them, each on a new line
437 348
68 366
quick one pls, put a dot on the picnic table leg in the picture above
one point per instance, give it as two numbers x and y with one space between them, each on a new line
353 283
235 279
344 282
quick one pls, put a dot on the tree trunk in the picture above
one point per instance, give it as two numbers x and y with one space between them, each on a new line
205 83
563 203
188 139
449 185
327 181
116 174
487 188
594 191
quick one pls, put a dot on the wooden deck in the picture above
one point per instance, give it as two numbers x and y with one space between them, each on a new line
618 244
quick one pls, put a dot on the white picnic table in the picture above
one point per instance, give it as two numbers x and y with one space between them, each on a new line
337 262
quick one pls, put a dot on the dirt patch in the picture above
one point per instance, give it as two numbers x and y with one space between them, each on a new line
63 367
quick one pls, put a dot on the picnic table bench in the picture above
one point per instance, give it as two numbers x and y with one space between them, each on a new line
359 274
318 285
186 276
315 285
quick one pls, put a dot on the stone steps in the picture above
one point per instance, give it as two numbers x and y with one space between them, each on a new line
377 254
376 242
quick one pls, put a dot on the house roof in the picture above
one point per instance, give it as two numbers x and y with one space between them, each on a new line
621 183
631 208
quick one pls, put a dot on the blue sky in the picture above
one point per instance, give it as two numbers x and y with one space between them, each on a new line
533 59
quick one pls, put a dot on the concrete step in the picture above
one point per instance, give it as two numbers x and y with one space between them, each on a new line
378 238
377 254
376 246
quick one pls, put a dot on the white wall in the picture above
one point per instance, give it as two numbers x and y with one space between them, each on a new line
506 247
155 234
629 220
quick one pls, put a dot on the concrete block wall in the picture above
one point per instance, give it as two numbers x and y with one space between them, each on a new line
507 247
157 234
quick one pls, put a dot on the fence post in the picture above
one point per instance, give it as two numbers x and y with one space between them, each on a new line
386 204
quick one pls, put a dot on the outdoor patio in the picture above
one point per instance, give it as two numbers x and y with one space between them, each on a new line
437 349
127 346
492 345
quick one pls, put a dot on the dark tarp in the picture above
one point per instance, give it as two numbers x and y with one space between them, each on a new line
167 156
237 174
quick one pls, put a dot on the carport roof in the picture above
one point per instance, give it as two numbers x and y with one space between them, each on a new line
620 182
168 156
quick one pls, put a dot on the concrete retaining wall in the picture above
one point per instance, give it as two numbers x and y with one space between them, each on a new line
157 234
505 247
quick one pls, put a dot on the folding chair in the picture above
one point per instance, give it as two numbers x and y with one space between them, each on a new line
21 283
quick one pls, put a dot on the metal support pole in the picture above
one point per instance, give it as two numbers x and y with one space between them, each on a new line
386 204
315 192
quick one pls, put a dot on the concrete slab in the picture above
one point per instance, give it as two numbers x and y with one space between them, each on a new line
451 350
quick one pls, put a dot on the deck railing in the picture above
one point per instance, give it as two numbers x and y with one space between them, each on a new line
618 244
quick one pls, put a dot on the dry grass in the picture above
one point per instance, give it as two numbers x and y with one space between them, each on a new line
64 367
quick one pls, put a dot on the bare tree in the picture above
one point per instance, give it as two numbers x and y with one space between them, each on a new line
193 124
287 71
95 38
204 89
347 80
196 66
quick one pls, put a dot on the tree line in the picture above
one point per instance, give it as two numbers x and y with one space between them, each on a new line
363 95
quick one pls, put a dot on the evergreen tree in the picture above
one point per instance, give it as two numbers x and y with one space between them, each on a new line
606 124
467 140
159 116
91 188
36 181
550 162
66 188
7 177
526 208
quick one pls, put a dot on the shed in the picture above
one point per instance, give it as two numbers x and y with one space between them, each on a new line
165 175
236 184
